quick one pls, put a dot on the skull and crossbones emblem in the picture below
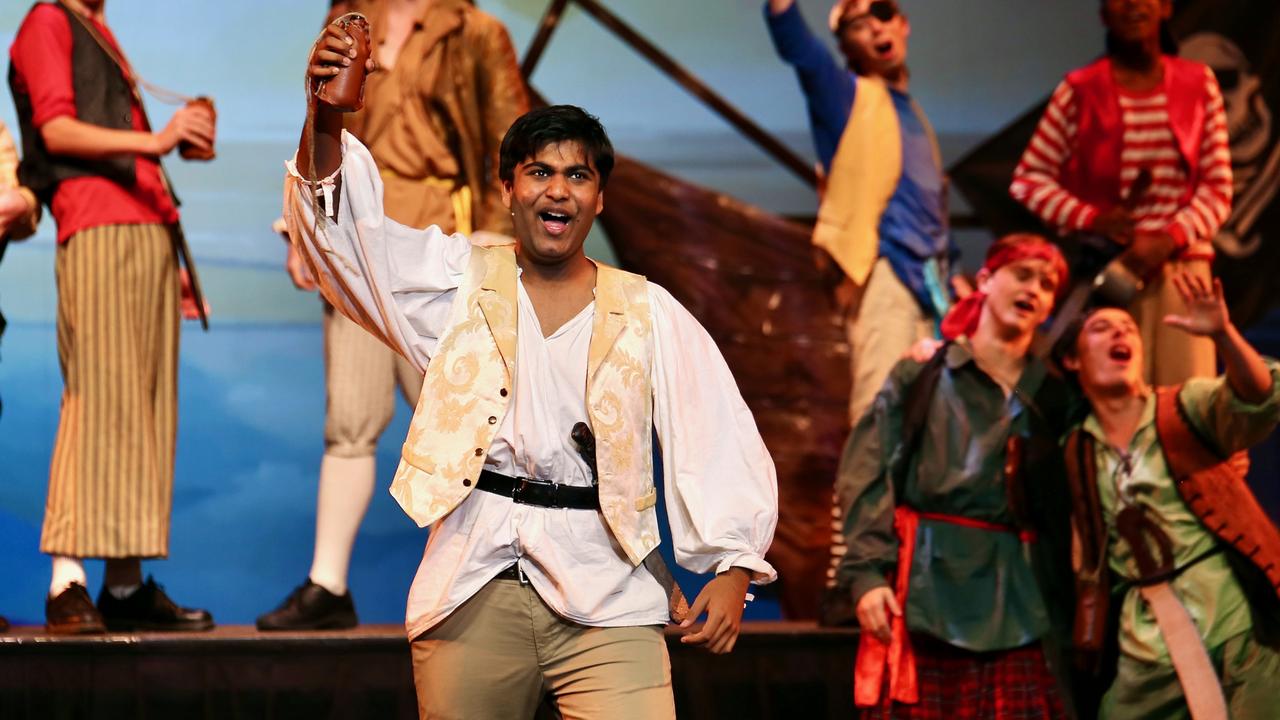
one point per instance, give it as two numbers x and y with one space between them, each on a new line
1255 156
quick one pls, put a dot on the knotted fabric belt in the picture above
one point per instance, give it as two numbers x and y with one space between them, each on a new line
541 493
459 195
896 656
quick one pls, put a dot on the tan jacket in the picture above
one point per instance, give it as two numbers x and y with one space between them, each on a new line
441 112
467 391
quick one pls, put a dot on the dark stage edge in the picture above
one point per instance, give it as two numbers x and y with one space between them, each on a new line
777 670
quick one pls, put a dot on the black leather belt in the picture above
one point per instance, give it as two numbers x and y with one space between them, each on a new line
528 491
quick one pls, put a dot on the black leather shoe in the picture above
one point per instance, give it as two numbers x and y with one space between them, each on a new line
149 608
71 612
311 607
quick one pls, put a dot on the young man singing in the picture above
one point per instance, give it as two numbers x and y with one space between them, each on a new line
530 451
939 533
1166 526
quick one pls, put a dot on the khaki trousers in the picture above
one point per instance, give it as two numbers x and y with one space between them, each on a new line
1172 356
361 374
502 651
886 323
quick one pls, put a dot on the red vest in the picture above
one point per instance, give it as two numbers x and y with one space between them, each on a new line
1092 172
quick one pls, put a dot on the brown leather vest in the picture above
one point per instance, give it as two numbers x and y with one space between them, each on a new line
1212 487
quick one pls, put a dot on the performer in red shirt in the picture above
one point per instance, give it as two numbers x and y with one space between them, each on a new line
91 156
1139 109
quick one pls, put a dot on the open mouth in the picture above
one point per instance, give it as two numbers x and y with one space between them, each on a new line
555 221
1025 306
884 49
1120 353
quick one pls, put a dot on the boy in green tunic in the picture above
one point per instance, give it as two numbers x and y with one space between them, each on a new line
1165 525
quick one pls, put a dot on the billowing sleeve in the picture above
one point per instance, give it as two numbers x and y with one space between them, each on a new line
1232 424
720 485
864 491
396 282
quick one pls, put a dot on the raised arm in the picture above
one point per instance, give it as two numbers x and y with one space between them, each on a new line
398 283
320 147
1247 373
827 84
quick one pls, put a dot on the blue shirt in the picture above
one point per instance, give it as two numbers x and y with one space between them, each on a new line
913 227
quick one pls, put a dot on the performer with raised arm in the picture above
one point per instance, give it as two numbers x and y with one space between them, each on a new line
949 478
881 238
882 231
91 156
1166 525
539 574
433 118
1139 111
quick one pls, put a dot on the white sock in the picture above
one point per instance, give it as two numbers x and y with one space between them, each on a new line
66 570
121 592
346 487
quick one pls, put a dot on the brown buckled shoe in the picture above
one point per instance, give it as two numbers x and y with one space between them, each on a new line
71 612
149 608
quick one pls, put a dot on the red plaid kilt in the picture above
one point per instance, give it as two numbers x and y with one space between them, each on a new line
957 684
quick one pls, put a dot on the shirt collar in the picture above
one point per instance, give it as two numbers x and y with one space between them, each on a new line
1093 426
960 353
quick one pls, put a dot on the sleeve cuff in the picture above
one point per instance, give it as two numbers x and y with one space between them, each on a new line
864 584
1087 215
1178 232
762 573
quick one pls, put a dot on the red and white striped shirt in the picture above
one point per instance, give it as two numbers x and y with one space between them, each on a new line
1148 143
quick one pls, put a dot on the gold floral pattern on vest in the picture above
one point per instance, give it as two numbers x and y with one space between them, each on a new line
462 401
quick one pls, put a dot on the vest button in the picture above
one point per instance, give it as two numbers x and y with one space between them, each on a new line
466 482
503 392
479 452
492 420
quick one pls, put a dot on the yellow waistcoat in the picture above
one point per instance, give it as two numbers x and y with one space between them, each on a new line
468 389
862 177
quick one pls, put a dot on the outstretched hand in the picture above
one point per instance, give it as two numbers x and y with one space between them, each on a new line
722 599
1206 313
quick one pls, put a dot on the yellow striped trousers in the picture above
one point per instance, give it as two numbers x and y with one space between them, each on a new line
111 478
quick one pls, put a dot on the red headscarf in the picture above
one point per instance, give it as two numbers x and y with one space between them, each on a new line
962 319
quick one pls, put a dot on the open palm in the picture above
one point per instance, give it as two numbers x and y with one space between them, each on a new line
1206 311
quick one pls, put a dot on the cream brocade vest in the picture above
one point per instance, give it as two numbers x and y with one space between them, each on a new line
468 388
863 177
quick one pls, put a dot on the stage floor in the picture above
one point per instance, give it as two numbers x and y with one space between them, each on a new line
777 670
